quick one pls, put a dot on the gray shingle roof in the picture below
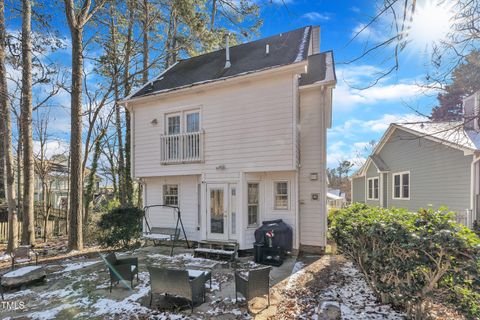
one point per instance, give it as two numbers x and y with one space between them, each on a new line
379 163
284 49
321 67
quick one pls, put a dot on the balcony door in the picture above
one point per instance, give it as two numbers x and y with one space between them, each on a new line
221 211
173 141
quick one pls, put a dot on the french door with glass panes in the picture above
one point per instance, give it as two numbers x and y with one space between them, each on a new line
221 211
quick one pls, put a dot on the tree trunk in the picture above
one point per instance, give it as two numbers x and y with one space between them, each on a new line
44 207
121 163
19 170
118 116
91 177
7 140
3 182
28 230
75 239
214 13
127 88
146 58
146 49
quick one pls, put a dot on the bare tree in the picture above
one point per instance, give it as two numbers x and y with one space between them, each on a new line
77 17
28 228
6 126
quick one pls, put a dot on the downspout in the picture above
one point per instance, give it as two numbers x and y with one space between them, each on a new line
473 181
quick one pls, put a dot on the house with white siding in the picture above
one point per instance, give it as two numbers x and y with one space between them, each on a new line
237 136
426 164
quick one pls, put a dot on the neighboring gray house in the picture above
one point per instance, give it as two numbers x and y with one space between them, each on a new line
425 164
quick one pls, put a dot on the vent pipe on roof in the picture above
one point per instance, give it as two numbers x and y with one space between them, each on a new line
227 53
267 49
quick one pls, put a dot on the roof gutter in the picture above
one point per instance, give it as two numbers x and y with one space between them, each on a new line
473 180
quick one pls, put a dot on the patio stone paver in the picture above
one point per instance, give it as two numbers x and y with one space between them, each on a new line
79 289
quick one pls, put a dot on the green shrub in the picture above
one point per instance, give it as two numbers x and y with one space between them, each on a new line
408 257
476 227
120 226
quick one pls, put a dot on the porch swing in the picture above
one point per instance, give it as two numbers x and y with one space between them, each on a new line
157 234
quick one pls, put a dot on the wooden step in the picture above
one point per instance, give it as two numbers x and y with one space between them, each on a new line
217 250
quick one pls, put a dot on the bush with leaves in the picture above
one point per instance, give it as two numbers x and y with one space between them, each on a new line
120 226
409 257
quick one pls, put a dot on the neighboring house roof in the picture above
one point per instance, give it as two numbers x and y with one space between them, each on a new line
284 49
336 192
334 196
452 134
379 163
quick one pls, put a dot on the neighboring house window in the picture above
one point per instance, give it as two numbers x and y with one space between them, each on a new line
253 195
281 195
373 191
170 194
401 185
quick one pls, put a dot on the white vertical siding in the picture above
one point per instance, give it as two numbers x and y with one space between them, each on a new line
248 126
312 157
188 200
266 182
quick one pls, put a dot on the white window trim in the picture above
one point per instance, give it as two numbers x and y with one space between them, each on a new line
190 111
257 182
275 195
401 173
183 119
373 188
178 192
171 115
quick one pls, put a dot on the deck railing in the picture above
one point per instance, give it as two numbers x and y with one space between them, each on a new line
181 148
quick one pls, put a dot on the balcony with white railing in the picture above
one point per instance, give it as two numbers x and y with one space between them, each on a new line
181 148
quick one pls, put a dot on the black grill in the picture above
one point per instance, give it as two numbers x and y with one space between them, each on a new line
273 240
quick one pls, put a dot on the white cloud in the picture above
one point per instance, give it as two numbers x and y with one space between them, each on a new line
51 148
316 16
367 33
353 127
349 93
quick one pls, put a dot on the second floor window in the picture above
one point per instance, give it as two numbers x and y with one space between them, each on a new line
192 120
182 122
173 124
170 194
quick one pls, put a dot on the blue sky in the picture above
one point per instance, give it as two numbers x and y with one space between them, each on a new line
359 116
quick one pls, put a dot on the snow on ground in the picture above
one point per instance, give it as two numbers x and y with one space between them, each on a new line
5 257
356 299
77 265
130 304
296 273
21 272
